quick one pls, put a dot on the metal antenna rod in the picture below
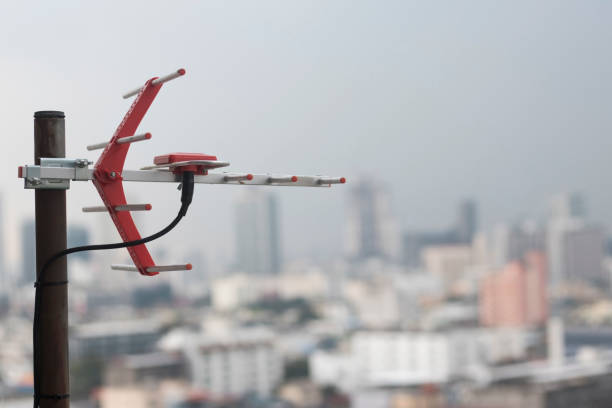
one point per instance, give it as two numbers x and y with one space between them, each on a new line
127 139
161 80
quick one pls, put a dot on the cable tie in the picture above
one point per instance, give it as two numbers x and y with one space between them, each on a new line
56 397
38 284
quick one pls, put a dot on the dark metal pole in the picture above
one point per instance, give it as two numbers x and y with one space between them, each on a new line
49 141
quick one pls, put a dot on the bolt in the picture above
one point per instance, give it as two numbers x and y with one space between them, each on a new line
113 174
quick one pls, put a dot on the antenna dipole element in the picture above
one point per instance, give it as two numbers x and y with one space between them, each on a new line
179 72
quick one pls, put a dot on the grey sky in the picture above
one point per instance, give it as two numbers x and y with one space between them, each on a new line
507 102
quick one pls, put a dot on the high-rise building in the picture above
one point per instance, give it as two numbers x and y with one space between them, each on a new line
372 231
467 222
567 205
28 251
516 296
576 252
258 246
512 243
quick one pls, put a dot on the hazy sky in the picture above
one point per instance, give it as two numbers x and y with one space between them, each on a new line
506 102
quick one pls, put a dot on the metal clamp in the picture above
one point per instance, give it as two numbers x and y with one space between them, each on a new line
51 174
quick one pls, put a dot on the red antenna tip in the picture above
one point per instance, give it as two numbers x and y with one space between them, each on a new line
342 180
293 179
148 135
188 267
181 71
148 207
249 177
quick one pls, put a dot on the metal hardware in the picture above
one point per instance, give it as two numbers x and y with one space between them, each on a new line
52 172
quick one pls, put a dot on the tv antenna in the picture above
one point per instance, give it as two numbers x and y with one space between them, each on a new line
51 175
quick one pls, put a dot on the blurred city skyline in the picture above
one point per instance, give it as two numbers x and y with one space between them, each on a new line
467 261
503 104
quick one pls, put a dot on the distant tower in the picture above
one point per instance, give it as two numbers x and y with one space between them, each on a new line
257 233
511 243
568 205
28 251
576 252
372 231
467 221
576 248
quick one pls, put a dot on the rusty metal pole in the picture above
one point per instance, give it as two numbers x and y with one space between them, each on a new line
49 141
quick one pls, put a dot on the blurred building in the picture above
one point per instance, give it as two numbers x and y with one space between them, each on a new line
229 363
567 205
372 231
461 233
414 242
586 383
448 262
144 368
576 252
258 246
385 359
467 222
516 296
375 302
112 338
511 243
230 292
28 251
301 394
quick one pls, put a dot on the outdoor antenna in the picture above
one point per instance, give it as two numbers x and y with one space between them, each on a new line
108 175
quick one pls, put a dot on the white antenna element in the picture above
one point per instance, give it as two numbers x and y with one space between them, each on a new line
331 180
169 77
126 207
282 179
159 268
238 177
122 140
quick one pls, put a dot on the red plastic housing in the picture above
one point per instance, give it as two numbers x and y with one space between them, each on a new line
181 157
171 158
108 181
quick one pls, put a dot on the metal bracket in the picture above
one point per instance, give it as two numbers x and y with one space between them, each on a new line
50 175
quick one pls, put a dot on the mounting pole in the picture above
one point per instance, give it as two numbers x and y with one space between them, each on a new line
49 141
